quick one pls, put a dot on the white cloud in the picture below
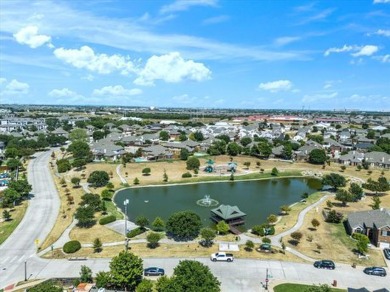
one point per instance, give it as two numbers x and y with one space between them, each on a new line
171 68
29 36
275 86
286 40
116 91
85 58
384 59
216 19
381 1
318 17
182 5
319 96
64 92
345 48
366 51
14 87
383 32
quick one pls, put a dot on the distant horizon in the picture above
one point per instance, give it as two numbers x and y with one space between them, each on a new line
323 55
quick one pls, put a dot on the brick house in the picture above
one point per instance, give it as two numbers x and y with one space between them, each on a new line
373 223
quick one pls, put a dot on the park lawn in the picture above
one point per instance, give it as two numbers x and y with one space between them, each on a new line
17 214
180 250
87 235
290 287
113 210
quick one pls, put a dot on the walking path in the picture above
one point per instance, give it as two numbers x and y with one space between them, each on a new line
118 172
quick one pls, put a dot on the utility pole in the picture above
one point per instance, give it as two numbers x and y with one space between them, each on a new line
266 279
25 271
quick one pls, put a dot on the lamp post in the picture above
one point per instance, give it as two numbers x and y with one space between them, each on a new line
125 203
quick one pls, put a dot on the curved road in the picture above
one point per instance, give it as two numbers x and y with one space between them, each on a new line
241 275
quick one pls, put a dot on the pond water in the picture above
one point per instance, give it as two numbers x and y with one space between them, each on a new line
258 198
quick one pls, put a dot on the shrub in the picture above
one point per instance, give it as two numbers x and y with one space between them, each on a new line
72 246
186 175
107 219
334 217
274 171
263 229
266 240
135 232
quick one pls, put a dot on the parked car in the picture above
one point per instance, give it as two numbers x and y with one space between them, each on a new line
154 271
386 251
222 256
377 271
325 264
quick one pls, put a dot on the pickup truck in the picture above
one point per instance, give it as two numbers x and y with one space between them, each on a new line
222 256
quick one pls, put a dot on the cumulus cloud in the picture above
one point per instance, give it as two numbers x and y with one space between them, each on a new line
345 48
29 36
86 58
171 68
182 5
383 32
357 51
14 87
384 58
64 92
366 51
116 91
276 86
320 96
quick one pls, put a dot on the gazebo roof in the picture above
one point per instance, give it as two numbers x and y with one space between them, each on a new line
227 212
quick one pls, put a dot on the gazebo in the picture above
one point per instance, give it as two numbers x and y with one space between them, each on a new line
230 214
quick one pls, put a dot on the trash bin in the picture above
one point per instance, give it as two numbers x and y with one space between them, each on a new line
334 283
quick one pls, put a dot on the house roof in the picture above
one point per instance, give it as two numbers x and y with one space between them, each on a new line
227 212
378 218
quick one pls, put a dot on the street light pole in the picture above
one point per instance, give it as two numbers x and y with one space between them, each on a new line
266 280
25 271
125 203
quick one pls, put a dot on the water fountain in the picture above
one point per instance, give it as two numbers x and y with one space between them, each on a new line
207 202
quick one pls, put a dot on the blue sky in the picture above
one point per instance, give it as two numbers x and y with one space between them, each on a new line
263 54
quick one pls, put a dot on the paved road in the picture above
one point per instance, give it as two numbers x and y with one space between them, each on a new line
36 224
241 275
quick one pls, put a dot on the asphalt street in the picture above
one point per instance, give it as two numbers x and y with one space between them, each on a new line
18 253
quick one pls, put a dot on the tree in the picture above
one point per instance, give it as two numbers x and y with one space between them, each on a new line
142 221
233 149
63 165
11 152
183 137
97 245
285 209
317 156
10 197
334 217
184 154
75 181
98 178
272 218
265 149
222 227
98 135
362 242
249 245
247 164
13 163
136 181
198 136
86 274
344 197
80 150
106 195
334 180
146 285
85 216
103 279
274 171
164 136
126 271
315 223
193 163
190 276
245 141
47 286
78 135
158 224
21 186
79 163
6 215
287 151
153 238
91 200
184 225
376 203
146 171
165 176
296 236
207 235
356 191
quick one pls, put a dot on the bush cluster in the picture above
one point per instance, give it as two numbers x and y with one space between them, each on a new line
186 174
107 219
135 232
72 246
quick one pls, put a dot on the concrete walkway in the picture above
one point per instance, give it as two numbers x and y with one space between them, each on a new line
118 172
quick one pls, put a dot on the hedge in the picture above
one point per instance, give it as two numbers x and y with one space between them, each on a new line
72 246
135 232
186 174
107 219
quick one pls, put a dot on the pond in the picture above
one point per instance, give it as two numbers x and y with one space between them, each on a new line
257 198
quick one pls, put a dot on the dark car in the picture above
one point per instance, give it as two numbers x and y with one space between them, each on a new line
325 264
377 271
386 251
154 271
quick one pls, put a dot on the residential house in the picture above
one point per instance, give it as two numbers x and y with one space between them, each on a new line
106 149
373 223
377 159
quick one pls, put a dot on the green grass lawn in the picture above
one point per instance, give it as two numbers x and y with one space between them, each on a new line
7 227
111 209
288 287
